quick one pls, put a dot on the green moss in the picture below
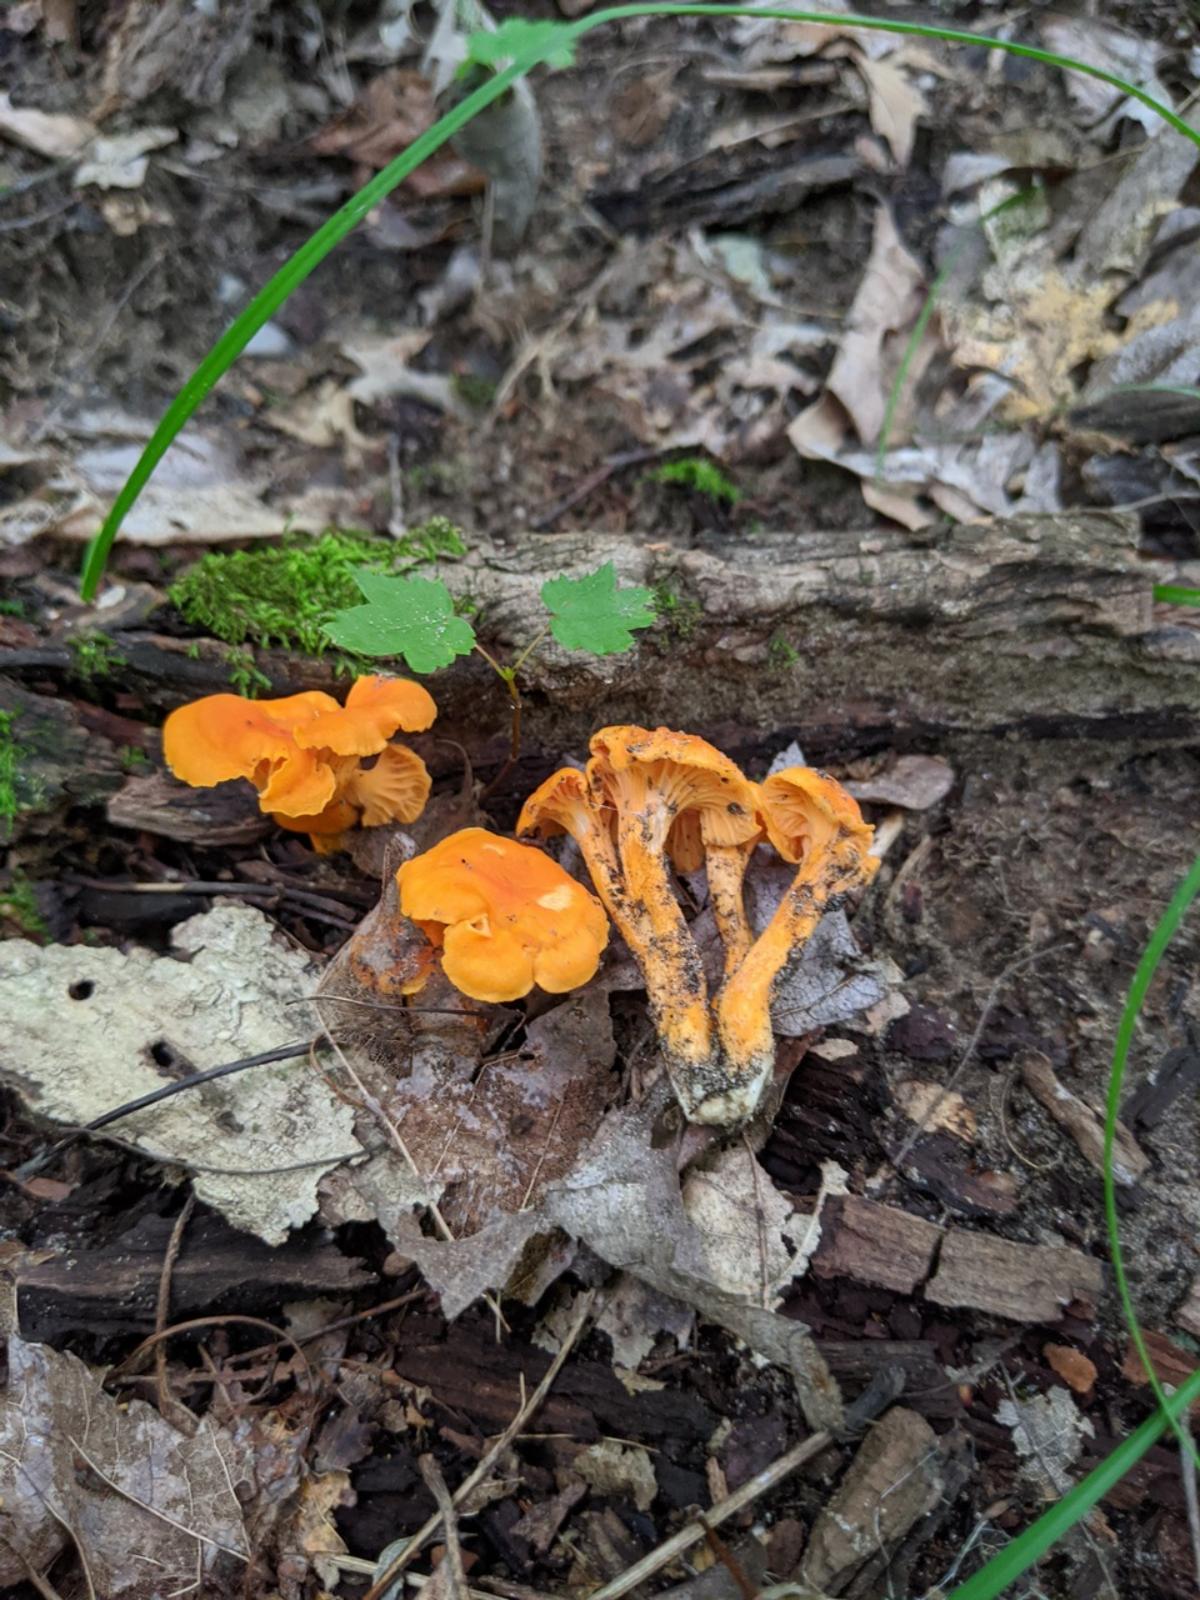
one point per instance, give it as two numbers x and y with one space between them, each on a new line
18 904
781 652
701 476
10 755
476 392
245 676
679 613
283 595
12 608
95 656
133 759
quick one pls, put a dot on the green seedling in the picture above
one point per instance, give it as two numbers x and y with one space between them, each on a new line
701 476
416 620
94 656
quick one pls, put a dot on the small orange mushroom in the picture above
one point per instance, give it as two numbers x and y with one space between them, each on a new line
504 916
302 753
811 820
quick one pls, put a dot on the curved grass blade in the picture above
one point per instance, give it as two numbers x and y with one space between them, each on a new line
268 301
1176 595
1017 1558
550 44
1142 979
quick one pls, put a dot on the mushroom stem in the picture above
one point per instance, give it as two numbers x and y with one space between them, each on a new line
744 1004
669 959
725 867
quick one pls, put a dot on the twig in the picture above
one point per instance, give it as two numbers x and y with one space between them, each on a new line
285 1052
965 1059
153 1339
436 1485
697 1531
587 486
492 1454
167 1403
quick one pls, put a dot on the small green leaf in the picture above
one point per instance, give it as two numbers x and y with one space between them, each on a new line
591 613
519 37
409 617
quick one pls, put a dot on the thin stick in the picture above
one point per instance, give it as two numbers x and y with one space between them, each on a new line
167 1403
280 1334
696 1532
436 1484
492 1454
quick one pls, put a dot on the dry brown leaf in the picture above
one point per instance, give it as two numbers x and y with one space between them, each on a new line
394 108
1072 1366
76 1467
886 305
896 105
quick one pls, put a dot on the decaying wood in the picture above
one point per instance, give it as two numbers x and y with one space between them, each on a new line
1043 626
927 1388
1173 1364
1025 1282
114 1289
159 803
894 1480
1082 1123
875 1244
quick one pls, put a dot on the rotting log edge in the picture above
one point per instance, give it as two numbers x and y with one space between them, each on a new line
1038 626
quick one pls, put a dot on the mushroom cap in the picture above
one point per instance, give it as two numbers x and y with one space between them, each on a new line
802 807
223 736
553 805
687 774
395 789
505 916
375 708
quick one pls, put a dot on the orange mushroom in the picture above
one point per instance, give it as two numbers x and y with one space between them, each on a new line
302 753
504 916
811 820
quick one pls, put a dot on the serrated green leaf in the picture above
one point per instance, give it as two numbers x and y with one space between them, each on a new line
519 37
409 617
591 613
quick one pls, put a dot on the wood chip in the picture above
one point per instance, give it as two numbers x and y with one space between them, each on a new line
874 1244
935 1108
160 804
1172 1363
894 1480
1024 1282
1082 1123
1072 1366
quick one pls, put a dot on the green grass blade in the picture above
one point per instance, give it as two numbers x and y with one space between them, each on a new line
1028 1547
1176 595
223 354
1142 979
268 301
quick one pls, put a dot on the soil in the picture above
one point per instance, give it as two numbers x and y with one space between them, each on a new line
1016 909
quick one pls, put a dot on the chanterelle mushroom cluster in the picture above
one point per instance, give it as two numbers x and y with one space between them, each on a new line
305 754
646 799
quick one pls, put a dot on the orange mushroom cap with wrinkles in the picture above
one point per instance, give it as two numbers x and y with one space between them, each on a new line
505 916
395 789
223 736
674 773
803 808
375 708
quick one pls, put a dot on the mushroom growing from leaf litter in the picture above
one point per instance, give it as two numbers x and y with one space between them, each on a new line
652 794
304 754
504 916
